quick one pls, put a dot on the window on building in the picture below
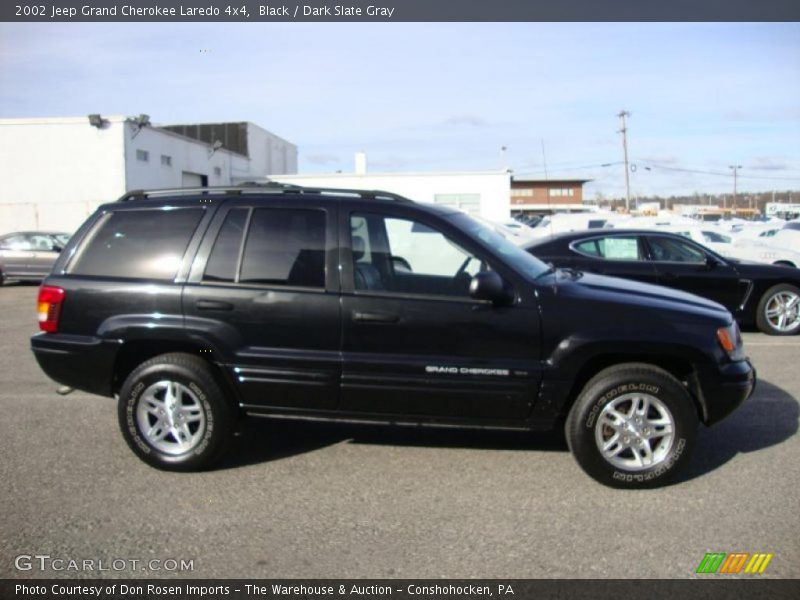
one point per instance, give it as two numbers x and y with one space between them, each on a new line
166 160
521 192
140 244
143 155
217 172
561 192
285 247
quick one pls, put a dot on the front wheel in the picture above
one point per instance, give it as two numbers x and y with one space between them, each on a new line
174 414
632 426
778 312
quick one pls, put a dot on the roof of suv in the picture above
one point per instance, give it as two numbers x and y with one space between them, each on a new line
274 190
268 188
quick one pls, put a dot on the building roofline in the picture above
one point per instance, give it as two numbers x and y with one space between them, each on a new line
531 179
192 140
59 120
392 174
267 131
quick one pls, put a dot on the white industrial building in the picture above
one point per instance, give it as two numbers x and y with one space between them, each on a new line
55 171
483 193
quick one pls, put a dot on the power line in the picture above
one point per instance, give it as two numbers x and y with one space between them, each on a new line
715 173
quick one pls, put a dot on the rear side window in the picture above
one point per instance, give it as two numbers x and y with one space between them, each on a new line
285 247
139 244
613 248
224 259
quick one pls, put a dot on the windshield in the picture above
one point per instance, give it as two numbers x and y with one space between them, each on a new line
522 261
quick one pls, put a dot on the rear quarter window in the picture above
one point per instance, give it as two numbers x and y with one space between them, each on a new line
138 244
611 248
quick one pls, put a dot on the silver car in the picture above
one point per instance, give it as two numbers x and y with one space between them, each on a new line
29 255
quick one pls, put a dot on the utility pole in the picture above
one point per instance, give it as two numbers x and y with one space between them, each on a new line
624 132
735 169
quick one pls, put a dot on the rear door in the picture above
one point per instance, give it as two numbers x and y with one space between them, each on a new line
616 255
414 342
44 254
264 293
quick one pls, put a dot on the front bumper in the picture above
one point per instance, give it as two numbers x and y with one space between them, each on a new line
81 362
723 389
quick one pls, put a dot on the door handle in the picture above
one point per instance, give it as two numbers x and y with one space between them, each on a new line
375 317
213 305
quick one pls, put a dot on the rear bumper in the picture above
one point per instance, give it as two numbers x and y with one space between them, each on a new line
82 362
723 389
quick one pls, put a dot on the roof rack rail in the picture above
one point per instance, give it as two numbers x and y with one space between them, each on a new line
269 187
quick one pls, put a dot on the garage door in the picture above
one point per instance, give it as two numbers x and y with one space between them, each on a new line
193 179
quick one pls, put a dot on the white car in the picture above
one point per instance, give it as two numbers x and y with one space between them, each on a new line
720 243
781 247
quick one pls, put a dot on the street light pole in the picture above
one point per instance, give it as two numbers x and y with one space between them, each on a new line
624 132
735 169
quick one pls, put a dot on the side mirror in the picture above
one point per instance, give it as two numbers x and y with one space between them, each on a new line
488 285
57 248
401 264
712 262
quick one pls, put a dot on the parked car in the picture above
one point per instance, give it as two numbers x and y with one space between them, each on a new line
757 294
29 255
195 309
720 243
771 251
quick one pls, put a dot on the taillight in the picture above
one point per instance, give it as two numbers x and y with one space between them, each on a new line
49 308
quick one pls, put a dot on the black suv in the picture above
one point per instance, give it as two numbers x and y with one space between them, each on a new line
198 307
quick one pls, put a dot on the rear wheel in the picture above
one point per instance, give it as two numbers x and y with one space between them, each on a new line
632 426
174 414
778 312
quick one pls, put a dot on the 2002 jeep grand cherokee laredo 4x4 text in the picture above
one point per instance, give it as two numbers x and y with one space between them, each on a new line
197 307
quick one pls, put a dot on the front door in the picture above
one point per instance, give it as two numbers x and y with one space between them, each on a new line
683 265
44 254
414 342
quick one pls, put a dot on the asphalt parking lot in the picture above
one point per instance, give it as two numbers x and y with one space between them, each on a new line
325 500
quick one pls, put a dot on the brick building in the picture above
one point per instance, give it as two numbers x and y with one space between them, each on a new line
536 196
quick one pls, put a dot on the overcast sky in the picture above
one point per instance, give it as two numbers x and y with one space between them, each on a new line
447 97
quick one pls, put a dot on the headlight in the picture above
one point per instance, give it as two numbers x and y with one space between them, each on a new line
730 338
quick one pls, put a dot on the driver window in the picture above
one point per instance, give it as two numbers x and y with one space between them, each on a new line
405 256
669 250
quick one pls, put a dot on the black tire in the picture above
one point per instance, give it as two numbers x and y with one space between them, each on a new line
192 380
2 277
610 389
762 320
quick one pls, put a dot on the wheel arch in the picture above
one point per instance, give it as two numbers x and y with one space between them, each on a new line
680 366
134 352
